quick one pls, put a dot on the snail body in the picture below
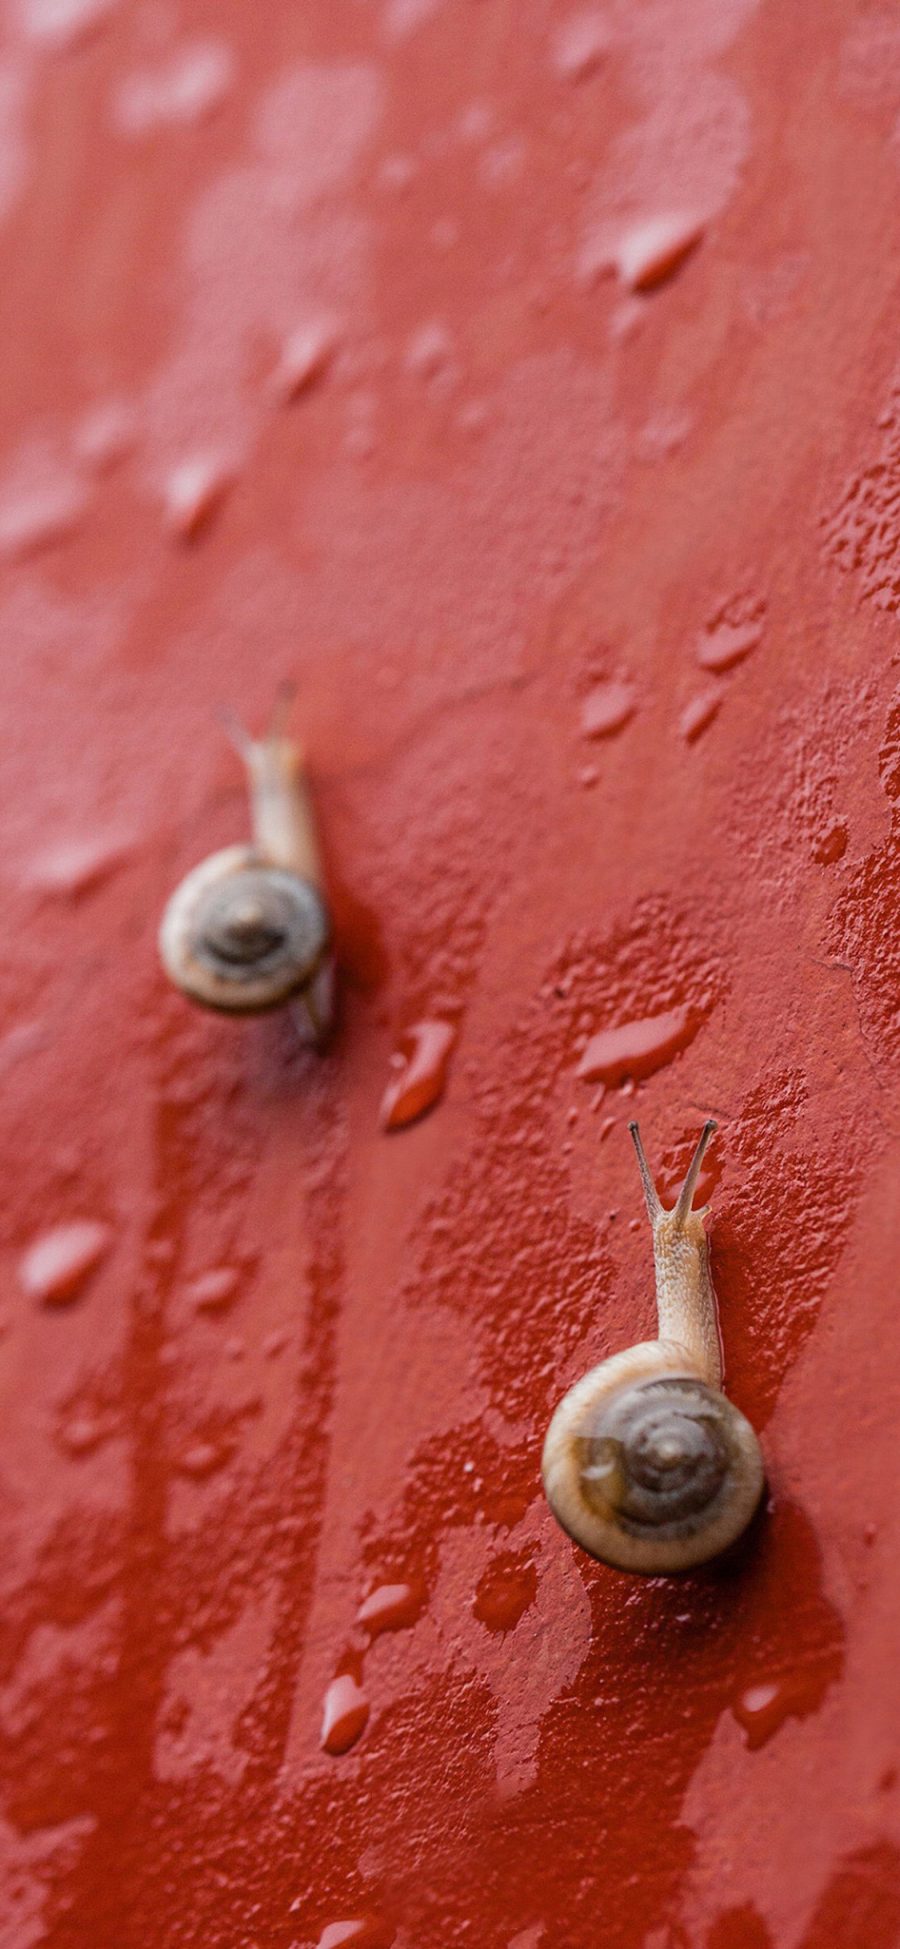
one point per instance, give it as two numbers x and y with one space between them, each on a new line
248 929
647 1464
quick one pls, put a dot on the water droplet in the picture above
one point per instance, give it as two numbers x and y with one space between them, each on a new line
82 1433
424 1055
274 1343
762 1709
608 709
40 505
105 436
390 1607
77 866
366 1931
644 256
504 1594
194 494
580 45
698 715
345 1714
832 844
305 357
725 642
212 1291
637 1049
202 1458
59 24
185 90
57 1265
430 350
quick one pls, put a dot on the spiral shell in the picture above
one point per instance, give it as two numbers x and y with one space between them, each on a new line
243 936
654 1475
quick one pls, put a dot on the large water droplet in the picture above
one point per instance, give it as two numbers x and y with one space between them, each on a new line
185 90
57 1266
581 44
505 1592
646 254
762 1709
725 643
60 24
390 1607
637 1049
77 866
607 709
422 1062
345 1714
194 493
213 1291
698 715
305 357
365 1931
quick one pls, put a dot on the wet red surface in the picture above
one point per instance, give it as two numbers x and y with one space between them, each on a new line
363 345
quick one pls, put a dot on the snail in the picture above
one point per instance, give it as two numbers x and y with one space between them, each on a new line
646 1464
249 929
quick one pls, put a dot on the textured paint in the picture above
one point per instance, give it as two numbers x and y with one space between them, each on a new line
308 374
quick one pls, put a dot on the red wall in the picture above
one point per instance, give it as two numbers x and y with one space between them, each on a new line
509 480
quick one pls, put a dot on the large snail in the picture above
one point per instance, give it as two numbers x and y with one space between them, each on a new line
248 929
646 1463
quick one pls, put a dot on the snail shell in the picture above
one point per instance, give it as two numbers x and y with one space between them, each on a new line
248 929
647 1465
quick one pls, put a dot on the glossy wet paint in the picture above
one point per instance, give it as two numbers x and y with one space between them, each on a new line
522 381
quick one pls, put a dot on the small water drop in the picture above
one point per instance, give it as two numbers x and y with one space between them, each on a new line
185 90
725 643
194 493
345 1714
390 1607
762 1709
275 1342
366 1931
202 1458
61 24
505 1592
424 1055
430 350
57 1266
638 1049
36 512
645 255
81 1434
105 436
212 1291
77 866
698 715
305 358
831 844
608 708
581 44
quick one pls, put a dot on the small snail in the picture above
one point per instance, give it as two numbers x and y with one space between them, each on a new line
248 929
646 1464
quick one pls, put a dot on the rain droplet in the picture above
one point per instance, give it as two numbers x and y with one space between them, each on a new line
202 1458
429 351
390 1607
698 715
105 436
724 644
762 1709
504 1594
194 494
35 513
77 866
423 1058
580 45
82 1433
345 1714
366 1931
184 90
608 709
212 1291
59 24
832 844
305 357
644 256
57 1265
637 1049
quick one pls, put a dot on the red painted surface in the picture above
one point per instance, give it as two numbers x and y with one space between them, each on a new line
314 366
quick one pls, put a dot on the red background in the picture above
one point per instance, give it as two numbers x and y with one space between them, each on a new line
512 481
